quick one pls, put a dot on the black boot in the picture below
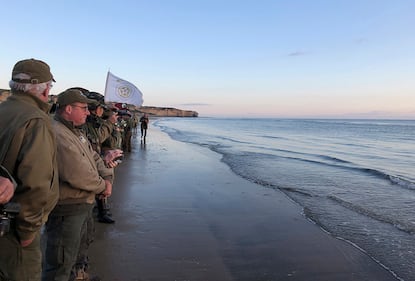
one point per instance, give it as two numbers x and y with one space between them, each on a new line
103 211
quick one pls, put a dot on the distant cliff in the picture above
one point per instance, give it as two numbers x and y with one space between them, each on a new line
166 111
4 94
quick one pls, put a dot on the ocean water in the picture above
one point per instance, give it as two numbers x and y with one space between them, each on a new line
354 178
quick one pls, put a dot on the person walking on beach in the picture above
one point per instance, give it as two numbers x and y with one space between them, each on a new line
28 152
144 125
83 174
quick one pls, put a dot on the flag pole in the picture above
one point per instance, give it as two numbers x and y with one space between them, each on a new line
106 83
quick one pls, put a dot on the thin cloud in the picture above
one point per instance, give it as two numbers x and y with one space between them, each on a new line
297 54
361 40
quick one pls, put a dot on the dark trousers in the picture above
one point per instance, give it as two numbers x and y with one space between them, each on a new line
143 131
64 230
19 263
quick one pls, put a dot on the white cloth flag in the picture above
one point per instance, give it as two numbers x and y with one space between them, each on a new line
119 90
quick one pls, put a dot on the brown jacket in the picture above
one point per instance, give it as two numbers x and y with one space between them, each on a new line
82 170
28 152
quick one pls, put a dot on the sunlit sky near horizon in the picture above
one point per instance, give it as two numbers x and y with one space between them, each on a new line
300 58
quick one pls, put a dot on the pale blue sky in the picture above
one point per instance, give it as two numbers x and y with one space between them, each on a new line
304 58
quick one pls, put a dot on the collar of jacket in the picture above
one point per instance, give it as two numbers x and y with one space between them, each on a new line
68 124
31 99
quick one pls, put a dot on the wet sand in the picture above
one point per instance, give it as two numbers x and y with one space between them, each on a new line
181 214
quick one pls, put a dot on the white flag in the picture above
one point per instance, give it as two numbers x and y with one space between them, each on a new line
119 90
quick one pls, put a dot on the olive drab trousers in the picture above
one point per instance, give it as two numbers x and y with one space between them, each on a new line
19 263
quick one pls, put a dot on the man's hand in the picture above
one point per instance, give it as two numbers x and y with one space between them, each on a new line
110 156
111 164
25 243
108 189
6 190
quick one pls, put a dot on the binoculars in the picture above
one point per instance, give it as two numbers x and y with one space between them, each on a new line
7 213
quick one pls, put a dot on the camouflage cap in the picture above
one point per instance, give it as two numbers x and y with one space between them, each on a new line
71 96
32 71
99 100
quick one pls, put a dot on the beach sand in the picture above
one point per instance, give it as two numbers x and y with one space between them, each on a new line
181 214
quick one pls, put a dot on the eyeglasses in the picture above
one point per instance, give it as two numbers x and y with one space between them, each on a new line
84 108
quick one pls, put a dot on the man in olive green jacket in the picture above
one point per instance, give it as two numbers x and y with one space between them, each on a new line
98 130
28 152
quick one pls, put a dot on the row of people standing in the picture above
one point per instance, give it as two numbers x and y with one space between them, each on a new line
106 133
58 176
125 124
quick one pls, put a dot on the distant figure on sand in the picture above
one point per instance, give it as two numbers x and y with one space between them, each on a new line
144 125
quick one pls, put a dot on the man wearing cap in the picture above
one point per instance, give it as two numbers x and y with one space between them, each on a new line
98 130
82 175
28 152
115 140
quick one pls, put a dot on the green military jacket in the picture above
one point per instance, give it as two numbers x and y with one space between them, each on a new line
97 131
28 152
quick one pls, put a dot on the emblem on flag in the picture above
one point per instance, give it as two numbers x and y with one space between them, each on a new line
124 91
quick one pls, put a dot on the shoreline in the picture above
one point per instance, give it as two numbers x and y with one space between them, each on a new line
182 214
